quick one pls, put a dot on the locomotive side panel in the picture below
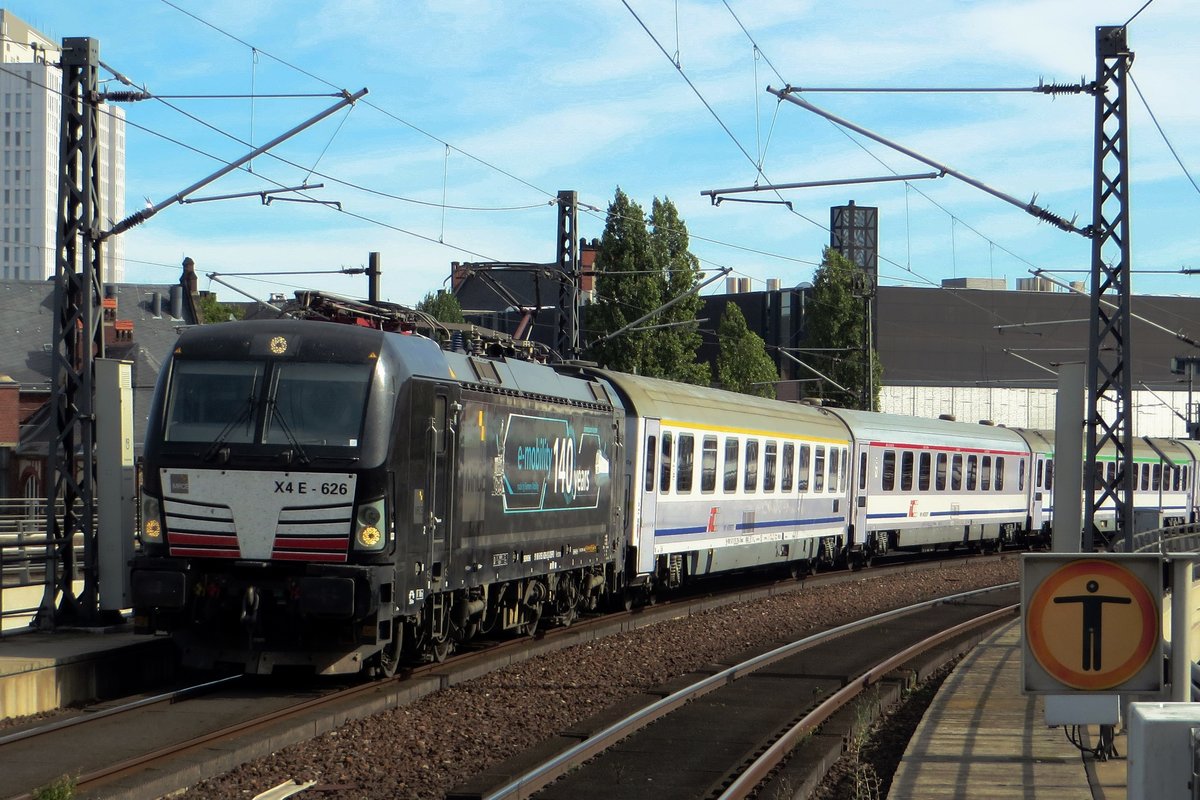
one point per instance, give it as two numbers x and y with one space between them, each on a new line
534 487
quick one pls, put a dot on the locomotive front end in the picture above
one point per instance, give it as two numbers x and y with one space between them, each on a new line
266 533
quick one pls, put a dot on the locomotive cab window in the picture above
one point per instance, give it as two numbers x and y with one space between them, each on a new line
324 404
210 399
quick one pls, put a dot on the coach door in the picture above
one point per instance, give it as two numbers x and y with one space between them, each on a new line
1040 498
648 495
859 475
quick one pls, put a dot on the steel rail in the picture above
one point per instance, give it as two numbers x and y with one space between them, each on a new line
541 776
777 752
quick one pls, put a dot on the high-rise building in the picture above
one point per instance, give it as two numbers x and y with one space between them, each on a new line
31 105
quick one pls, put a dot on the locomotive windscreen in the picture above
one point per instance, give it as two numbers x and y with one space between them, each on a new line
292 402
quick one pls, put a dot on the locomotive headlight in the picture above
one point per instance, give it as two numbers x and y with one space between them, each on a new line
151 520
369 526
369 537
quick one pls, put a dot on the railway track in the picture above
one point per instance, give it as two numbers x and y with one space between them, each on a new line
149 749
724 733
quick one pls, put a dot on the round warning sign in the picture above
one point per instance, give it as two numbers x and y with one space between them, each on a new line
1092 624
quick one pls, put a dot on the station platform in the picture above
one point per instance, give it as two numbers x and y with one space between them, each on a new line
981 739
44 671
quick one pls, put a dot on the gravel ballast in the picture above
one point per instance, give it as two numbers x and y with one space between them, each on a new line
425 749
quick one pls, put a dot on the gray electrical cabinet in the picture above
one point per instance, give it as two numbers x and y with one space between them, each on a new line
1162 754
114 481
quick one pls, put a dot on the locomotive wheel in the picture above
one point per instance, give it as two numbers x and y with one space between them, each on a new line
441 650
387 660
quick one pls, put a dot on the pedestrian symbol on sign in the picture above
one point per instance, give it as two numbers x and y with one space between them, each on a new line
1092 630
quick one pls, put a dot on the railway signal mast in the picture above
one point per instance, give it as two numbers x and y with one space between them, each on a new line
1109 354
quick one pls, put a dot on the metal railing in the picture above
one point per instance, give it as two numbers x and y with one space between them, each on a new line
1175 539
25 558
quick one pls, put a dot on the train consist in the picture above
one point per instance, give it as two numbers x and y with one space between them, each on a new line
344 497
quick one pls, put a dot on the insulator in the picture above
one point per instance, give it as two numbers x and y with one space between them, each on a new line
126 97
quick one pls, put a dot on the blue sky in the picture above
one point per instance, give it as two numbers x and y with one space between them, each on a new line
479 112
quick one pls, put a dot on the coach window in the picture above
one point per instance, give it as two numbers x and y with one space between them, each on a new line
844 479
1155 477
686 463
956 473
664 482
802 470
1175 479
770 453
862 472
1112 472
651 452
924 464
906 471
939 481
731 464
985 473
1038 481
818 469
789 467
889 470
708 465
1145 477
1185 474
1050 474
835 470
972 473
999 473
1021 475
751 482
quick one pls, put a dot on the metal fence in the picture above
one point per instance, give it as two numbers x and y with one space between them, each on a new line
1176 539
25 557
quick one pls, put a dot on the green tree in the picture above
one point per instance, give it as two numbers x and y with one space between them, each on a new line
742 361
641 268
676 346
212 311
626 289
837 323
442 306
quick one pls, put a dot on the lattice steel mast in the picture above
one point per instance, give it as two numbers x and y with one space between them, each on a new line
78 340
1109 351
